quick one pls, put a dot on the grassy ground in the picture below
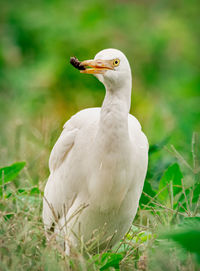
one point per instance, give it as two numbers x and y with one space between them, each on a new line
164 236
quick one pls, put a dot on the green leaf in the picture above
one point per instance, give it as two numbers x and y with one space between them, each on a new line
35 191
9 173
148 190
143 237
191 222
113 260
8 216
187 235
188 238
196 193
182 200
171 176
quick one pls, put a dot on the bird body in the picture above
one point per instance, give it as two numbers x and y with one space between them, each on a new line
98 166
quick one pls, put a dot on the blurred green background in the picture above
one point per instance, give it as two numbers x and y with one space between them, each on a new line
40 90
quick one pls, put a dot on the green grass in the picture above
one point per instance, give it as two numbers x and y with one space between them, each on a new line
164 236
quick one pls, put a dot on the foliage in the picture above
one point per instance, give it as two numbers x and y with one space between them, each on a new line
8 174
187 235
167 222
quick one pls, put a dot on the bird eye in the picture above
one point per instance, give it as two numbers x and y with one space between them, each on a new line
116 62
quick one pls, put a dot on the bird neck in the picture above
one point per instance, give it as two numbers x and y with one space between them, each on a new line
114 112
119 96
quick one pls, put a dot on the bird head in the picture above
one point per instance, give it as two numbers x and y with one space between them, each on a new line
110 66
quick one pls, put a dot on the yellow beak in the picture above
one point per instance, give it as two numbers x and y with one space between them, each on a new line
97 66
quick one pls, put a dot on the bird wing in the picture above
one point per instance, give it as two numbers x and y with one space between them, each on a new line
136 133
140 149
51 207
61 148
53 194
67 138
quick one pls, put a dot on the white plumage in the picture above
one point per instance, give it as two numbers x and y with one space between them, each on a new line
98 164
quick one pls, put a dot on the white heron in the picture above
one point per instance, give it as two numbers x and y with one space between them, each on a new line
99 163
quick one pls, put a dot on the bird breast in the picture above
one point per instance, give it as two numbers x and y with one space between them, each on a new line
111 175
